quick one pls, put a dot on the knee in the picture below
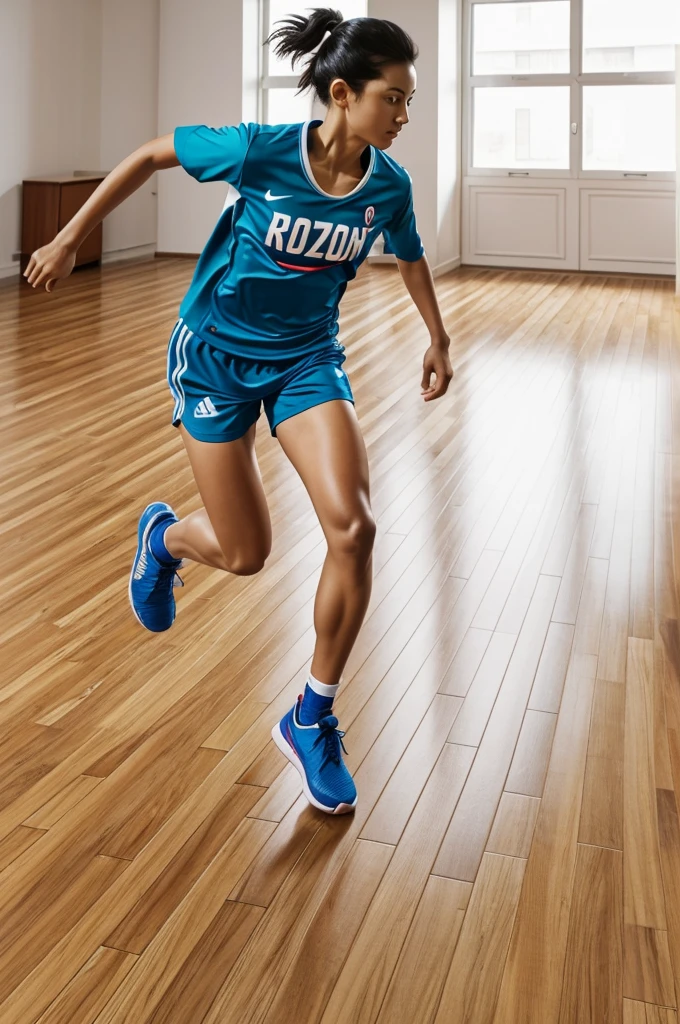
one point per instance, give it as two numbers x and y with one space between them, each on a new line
356 538
246 566
242 563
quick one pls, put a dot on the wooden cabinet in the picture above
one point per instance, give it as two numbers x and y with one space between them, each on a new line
48 204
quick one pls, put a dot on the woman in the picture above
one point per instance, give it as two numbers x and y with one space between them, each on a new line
259 323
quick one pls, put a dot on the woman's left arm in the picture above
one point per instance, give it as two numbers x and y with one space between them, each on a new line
418 280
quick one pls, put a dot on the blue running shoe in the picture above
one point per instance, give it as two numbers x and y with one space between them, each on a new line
315 752
151 583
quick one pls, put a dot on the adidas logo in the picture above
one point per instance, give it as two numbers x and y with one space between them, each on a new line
141 565
205 408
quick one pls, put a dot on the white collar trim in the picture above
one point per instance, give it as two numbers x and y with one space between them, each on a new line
304 154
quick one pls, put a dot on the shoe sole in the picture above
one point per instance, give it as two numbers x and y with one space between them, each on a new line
140 547
288 752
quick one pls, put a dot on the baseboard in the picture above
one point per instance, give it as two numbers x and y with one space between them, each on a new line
388 257
135 252
447 266
9 270
148 251
441 268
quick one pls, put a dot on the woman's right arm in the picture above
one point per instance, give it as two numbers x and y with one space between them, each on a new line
56 259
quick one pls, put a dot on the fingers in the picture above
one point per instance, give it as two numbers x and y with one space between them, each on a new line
37 271
439 388
37 274
33 272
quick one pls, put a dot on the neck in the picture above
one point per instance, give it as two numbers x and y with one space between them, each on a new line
334 146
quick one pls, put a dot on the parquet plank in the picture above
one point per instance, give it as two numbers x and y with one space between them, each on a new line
525 581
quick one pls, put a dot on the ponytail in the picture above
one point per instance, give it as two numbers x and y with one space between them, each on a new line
355 51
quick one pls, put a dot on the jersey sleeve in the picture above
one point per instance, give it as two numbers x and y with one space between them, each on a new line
214 154
401 236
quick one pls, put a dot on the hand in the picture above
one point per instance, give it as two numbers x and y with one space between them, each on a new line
50 263
436 361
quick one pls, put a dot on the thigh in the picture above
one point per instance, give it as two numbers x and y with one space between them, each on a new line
230 484
210 396
326 447
309 382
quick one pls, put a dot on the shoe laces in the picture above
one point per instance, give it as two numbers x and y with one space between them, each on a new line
331 737
169 577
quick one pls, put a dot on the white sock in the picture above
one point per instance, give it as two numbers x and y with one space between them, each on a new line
321 688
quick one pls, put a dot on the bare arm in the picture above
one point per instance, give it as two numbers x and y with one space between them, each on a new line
56 259
417 277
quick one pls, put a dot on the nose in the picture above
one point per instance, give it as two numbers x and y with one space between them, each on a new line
402 117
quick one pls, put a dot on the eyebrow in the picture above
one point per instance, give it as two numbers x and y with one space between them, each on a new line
396 87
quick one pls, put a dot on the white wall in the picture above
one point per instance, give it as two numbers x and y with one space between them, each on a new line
129 114
85 82
449 169
429 147
68 105
204 78
677 164
207 36
49 115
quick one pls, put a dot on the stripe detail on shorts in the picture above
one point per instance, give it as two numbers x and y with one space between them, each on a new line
168 371
181 364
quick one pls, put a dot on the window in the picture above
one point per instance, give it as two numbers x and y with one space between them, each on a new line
280 101
529 38
633 36
623 128
521 127
569 87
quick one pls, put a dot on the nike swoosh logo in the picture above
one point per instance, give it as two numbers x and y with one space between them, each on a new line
269 197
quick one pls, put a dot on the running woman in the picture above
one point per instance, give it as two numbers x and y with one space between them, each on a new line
259 324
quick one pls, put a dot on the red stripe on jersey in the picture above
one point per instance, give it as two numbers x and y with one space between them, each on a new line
289 266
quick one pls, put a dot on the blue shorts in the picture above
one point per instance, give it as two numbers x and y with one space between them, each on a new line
218 395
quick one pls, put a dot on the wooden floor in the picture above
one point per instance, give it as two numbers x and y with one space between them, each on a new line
511 707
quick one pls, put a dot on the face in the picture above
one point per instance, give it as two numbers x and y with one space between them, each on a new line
380 112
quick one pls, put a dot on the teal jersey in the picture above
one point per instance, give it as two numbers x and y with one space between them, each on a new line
270 278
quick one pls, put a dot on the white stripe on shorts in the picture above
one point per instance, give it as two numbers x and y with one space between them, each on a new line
168 371
181 367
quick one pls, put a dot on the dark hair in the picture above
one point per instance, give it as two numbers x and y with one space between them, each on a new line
356 50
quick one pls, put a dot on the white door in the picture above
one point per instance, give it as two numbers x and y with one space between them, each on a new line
569 134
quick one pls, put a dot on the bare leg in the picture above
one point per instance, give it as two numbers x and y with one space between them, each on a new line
342 599
194 537
326 447
233 531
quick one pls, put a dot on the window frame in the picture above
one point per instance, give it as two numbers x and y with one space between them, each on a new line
576 79
267 81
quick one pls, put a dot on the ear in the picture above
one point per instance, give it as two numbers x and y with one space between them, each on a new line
340 92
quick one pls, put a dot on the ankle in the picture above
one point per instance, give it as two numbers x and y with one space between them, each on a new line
158 547
317 701
170 541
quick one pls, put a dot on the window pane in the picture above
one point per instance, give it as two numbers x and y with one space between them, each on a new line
632 35
281 9
521 127
629 128
286 106
521 39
